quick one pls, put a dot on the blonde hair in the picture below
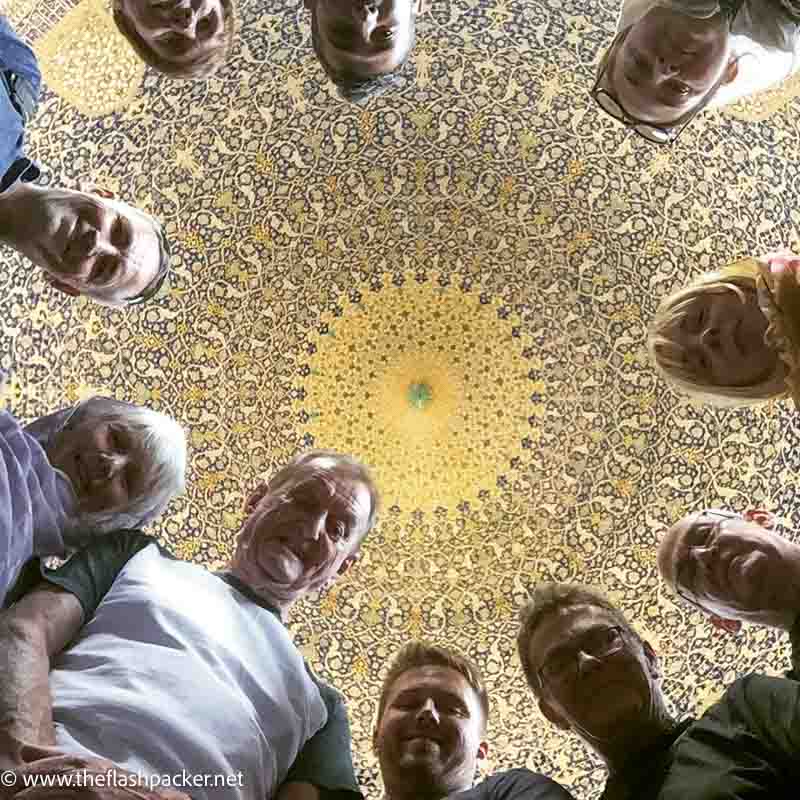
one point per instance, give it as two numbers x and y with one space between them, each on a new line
665 354
423 654
196 69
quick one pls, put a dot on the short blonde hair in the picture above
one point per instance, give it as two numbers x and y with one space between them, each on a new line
424 654
199 68
665 354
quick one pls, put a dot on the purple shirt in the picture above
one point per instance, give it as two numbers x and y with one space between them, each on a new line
34 502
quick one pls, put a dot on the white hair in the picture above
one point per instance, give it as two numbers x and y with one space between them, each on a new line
163 442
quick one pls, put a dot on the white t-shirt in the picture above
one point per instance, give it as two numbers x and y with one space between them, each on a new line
767 45
177 674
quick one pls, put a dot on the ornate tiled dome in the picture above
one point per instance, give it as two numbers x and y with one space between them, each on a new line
451 282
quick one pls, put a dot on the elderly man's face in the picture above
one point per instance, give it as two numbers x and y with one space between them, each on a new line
364 37
178 31
597 679
104 462
91 244
302 534
667 63
431 732
729 566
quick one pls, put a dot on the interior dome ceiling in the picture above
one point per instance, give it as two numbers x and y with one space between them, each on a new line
452 283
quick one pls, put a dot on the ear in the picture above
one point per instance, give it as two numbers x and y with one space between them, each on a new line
60 286
731 71
483 750
766 519
728 625
255 498
552 715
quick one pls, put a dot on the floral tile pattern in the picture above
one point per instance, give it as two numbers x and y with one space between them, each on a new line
454 283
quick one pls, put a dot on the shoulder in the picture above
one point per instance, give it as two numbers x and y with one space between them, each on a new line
515 784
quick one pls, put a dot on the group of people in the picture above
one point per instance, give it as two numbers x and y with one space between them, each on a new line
127 661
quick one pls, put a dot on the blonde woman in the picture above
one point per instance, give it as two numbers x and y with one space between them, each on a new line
731 336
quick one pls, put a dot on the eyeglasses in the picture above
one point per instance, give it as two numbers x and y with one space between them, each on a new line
706 512
161 275
657 134
562 664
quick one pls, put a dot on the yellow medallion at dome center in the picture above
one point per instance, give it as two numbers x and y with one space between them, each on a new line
428 380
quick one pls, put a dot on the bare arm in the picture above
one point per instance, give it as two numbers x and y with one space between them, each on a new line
32 631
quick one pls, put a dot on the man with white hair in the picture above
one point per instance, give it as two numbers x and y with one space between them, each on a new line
161 668
77 473
85 242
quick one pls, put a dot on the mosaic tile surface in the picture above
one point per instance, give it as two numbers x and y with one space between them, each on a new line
452 282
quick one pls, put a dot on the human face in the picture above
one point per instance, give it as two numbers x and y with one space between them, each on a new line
721 339
667 63
302 534
178 31
601 693
92 245
728 566
104 462
431 732
364 37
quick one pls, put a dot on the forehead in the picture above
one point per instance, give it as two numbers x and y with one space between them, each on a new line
326 476
432 679
560 627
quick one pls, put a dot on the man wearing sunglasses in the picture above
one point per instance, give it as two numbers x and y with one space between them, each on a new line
593 674
735 568
85 242
671 59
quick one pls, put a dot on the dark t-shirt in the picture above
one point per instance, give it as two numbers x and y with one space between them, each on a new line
745 747
516 784
17 63
326 758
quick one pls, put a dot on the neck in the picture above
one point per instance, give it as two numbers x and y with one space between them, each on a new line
410 790
619 751
281 604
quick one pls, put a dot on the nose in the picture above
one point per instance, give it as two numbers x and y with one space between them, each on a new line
428 713
184 19
587 662
705 556
667 66
367 17
314 528
102 466
710 337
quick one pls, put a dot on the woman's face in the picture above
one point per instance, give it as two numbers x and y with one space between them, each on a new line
103 461
721 339
668 63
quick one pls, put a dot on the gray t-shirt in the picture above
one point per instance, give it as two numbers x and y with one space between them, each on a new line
177 672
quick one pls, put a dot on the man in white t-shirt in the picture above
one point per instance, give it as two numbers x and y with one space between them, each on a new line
128 659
